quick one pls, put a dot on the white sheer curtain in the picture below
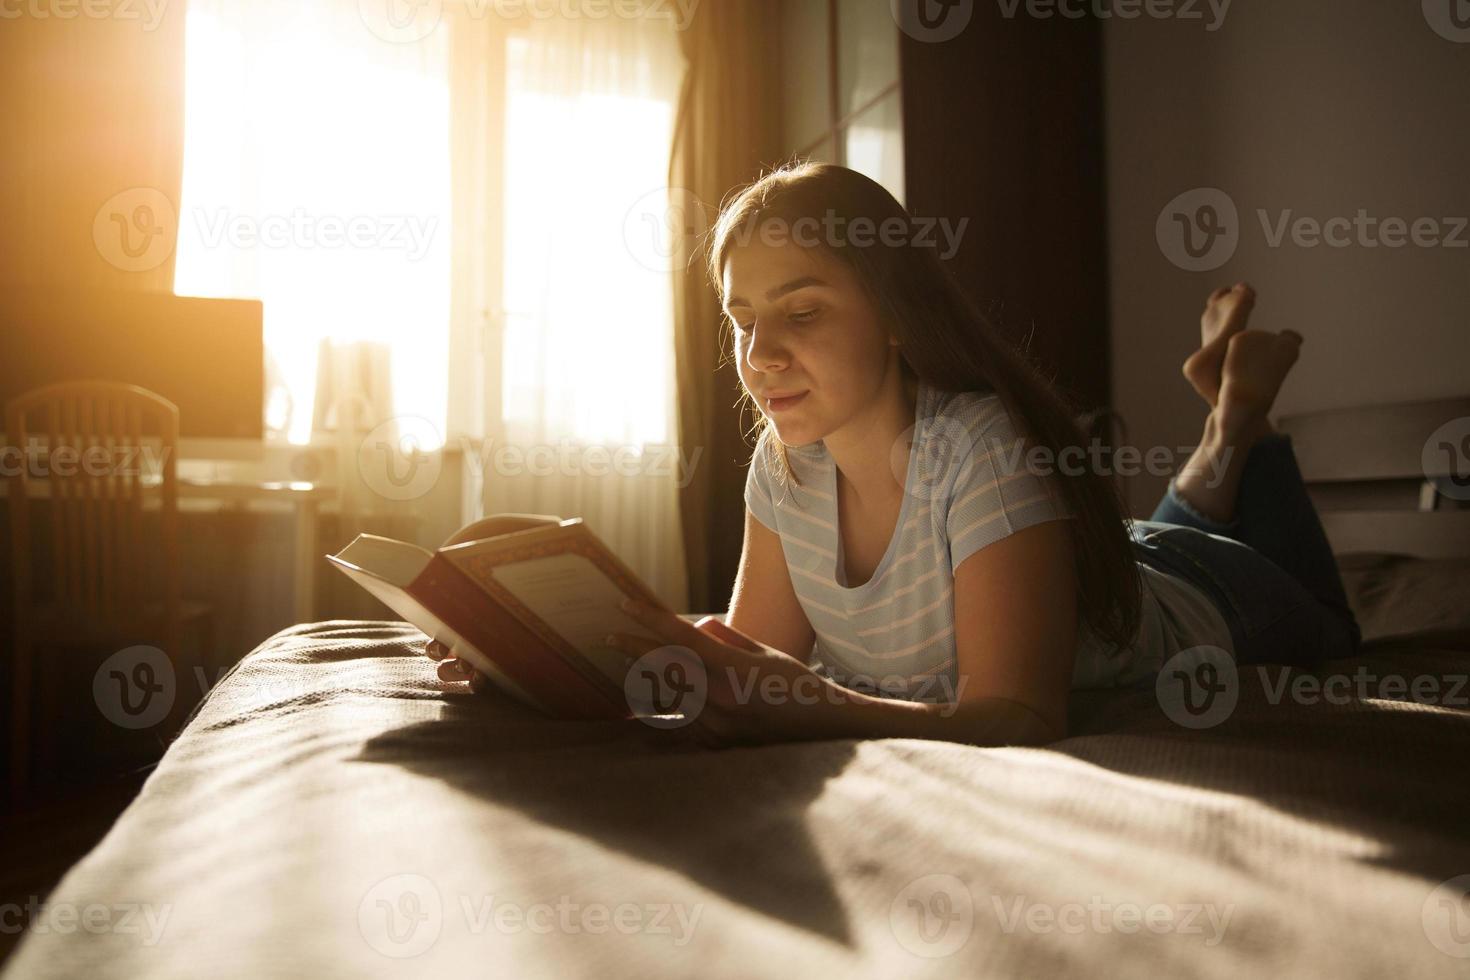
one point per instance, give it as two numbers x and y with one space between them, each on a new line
582 318
455 229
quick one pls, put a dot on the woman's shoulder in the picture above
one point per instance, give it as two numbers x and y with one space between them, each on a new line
967 415
975 442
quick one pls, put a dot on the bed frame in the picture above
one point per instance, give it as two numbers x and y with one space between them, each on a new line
1376 488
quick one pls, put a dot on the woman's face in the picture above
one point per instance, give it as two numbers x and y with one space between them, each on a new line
804 326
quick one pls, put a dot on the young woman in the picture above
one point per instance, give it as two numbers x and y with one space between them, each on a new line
929 551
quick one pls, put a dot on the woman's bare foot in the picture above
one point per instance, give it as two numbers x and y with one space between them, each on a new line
1256 363
1226 312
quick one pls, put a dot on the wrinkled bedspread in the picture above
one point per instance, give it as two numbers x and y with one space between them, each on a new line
334 809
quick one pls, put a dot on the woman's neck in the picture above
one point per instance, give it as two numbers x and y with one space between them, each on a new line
866 450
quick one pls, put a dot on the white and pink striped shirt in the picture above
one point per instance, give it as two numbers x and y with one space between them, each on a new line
967 485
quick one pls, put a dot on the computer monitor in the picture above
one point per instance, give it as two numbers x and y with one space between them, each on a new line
206 356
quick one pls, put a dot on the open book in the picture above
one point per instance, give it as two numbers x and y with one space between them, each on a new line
528 608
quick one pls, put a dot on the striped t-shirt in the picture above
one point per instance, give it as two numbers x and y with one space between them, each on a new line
967 485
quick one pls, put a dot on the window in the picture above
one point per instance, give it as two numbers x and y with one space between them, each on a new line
316 179
840 62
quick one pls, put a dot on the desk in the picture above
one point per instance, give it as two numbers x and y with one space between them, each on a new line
304 498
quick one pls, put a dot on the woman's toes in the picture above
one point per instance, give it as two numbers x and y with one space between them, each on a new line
1227 311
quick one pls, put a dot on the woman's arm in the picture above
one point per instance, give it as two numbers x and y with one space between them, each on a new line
1015 640
1015 610
763 605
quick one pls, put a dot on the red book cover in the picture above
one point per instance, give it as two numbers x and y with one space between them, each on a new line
528 609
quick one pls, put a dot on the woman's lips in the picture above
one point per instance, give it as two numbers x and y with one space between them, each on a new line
781 404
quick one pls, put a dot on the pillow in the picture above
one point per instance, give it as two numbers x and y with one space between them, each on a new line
1398 596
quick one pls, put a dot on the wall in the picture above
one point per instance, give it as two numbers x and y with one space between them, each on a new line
1322 109
91 119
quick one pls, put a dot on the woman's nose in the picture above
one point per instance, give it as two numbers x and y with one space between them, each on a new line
766 351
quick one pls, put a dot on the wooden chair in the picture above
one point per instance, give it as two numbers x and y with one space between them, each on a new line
85 450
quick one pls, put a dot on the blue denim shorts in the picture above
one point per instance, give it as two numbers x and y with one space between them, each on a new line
1271 615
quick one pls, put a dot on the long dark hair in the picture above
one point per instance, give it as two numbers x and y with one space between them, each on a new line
949 343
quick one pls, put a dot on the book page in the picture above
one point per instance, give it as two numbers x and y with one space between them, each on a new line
575 598
392 561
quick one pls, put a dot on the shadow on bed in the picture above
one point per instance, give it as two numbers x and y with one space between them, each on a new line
772 787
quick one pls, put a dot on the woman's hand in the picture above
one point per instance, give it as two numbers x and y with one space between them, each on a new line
751 692
452 668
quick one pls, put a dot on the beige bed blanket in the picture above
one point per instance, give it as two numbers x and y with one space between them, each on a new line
335 810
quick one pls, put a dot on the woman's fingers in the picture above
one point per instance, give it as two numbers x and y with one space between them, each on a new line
454 669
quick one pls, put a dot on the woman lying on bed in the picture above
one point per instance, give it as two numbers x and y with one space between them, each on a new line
931 548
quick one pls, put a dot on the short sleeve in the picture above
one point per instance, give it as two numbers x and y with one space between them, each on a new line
758 496
995 492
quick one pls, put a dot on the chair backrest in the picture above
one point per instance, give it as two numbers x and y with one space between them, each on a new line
99 450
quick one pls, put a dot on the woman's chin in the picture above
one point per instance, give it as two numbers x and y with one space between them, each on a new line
794 434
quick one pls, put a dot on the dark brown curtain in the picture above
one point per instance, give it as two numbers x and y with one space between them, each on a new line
1003 125
92 121
727 132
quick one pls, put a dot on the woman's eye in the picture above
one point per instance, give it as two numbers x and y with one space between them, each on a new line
804 316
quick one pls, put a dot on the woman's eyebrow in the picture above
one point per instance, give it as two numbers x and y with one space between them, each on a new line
781 290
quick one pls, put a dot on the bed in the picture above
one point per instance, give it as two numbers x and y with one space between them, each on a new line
333 809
